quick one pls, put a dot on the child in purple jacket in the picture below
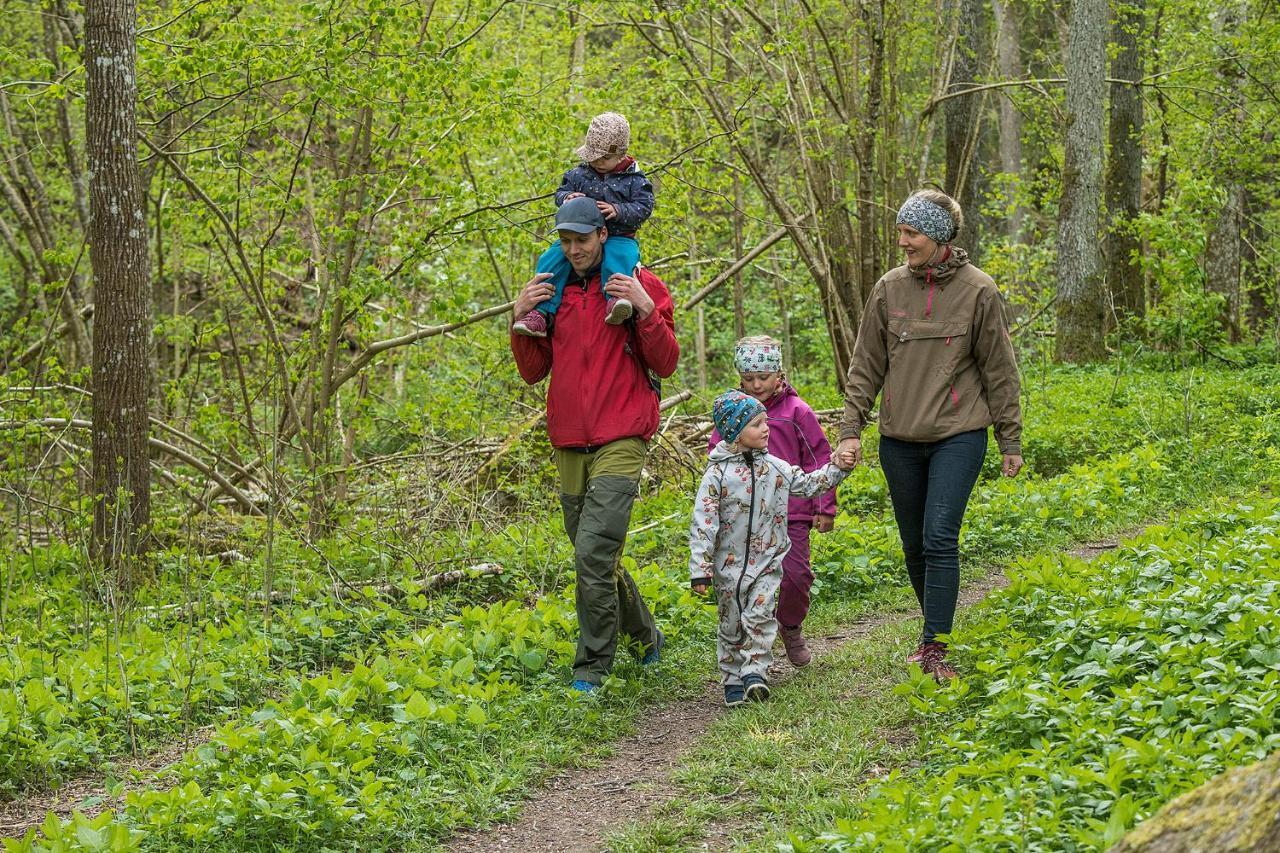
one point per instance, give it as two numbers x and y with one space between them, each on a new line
610 177
795 436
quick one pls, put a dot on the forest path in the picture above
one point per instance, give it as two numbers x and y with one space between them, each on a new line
577 809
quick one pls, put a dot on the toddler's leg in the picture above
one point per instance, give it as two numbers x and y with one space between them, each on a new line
535 323
759 627
621 255
729 641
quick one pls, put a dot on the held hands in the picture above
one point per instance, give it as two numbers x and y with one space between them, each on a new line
607 210
572 196
823 523
848 454
629 287
536 289
1011 464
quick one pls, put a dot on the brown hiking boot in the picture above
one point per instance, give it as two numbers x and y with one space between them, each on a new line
797 650
934 662
918 655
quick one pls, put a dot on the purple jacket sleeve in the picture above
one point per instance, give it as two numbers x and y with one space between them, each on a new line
817 440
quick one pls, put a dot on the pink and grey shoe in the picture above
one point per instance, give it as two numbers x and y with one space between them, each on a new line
619 312
531 325
797 649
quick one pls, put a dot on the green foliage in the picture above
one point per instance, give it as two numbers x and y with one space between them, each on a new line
1100 691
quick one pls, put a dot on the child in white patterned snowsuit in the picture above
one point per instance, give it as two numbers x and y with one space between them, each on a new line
738 538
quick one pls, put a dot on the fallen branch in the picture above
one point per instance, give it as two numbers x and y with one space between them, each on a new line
176 452
434 582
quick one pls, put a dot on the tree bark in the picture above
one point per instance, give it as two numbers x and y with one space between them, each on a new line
1008 51
122 304
1080 292
1124 167
1224 247
963 121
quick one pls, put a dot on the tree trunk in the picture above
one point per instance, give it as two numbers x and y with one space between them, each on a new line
122 303
963 121
1080 292
1124 168
1008 51
1224 247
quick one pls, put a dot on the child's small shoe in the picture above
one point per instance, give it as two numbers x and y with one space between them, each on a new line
734 695
531 325
756 688
585 687
619 312
797 649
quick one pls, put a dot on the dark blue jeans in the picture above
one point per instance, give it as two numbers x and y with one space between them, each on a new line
930 483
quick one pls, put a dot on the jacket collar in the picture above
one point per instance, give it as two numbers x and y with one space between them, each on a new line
943 269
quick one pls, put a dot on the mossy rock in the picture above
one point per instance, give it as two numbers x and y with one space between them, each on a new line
1235 811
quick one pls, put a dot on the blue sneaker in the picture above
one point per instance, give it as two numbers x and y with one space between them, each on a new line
734 696
756 688
655 651
585 686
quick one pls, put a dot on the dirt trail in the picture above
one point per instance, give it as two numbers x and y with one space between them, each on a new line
576 809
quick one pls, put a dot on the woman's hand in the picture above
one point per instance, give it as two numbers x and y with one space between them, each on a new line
849 451
1011 464
823 523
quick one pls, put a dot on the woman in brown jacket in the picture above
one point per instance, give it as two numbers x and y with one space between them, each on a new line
934 343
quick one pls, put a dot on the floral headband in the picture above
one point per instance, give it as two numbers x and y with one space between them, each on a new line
758 358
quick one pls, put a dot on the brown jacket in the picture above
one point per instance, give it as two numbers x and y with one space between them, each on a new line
937 341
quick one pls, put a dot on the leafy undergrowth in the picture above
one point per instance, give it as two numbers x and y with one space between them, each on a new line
1099 691
405 719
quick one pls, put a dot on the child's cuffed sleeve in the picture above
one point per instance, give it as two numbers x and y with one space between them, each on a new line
704 529
813 483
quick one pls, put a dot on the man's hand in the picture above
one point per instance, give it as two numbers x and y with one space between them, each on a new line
572 196
823 523
621 286
536 290
699 589
849 453
1011 464
607 210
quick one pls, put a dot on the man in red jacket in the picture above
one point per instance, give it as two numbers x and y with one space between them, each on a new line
601 412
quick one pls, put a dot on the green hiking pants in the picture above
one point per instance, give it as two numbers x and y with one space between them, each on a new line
597 490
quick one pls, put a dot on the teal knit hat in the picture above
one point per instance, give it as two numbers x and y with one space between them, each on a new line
732 411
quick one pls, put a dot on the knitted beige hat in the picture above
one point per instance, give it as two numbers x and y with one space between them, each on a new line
608 135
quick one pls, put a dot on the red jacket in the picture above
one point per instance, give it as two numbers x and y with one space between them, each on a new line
599 393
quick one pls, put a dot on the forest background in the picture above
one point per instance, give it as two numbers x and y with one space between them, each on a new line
293 346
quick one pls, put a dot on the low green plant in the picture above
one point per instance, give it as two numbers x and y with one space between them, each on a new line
1099 691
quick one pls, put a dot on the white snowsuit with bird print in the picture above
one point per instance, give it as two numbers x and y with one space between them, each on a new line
737 540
